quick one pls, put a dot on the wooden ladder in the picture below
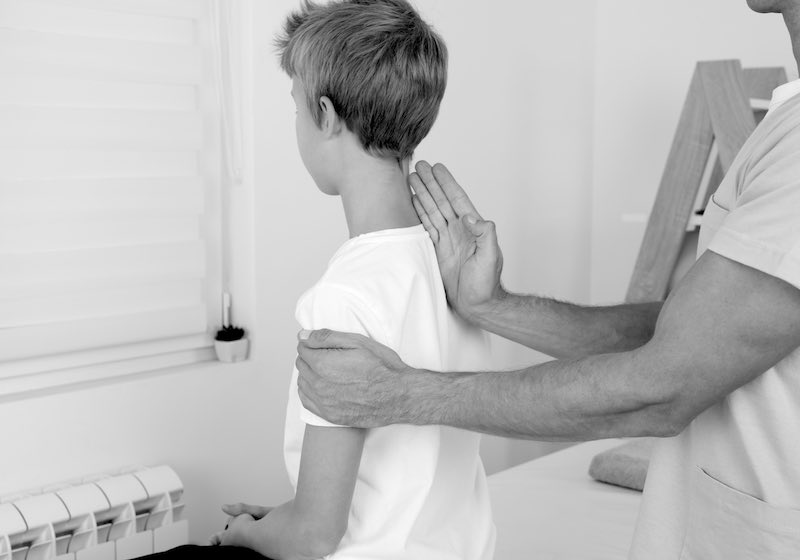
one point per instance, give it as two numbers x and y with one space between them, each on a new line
722 108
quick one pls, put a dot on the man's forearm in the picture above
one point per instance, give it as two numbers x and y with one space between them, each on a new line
612 395
565 330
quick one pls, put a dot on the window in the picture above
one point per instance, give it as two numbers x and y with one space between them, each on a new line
110 166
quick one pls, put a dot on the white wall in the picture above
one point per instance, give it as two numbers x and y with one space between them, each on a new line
198 420
528 109
219 426
515 130
644 62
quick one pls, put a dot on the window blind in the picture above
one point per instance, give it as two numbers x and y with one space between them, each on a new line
109 185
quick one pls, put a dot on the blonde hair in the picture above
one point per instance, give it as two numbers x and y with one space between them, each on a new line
383 68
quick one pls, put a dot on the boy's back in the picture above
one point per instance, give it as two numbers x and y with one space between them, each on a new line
421 491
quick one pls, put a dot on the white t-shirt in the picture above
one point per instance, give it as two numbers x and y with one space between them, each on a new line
421 492
728 487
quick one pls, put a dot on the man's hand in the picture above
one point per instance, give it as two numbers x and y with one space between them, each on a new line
351 380
469 257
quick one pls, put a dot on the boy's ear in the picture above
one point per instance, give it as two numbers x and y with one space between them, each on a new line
331 123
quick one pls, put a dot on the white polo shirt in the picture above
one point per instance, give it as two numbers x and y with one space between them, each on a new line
728 487
421 491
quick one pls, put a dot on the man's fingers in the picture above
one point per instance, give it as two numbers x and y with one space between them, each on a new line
306 377
426 222
329 340
302 389
309 356
483 230
427 202
485 238
215 539
459 200
303 369
426 174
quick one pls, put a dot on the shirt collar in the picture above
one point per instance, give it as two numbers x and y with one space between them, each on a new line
784 93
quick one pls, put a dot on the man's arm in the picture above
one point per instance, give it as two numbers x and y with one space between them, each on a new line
471 263
723 326
565 330
312 524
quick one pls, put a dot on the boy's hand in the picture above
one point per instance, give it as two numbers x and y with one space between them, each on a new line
239 508
466 246
233 534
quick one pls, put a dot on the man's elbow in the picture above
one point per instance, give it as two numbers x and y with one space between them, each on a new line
665 426
668 417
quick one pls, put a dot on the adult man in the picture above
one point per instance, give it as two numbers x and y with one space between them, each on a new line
717 365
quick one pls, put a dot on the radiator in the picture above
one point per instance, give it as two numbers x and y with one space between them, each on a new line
103 517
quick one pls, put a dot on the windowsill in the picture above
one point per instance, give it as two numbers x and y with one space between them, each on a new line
58 379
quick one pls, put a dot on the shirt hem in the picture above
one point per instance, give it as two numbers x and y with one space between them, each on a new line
763 257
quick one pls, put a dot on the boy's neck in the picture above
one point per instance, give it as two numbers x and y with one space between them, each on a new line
375 196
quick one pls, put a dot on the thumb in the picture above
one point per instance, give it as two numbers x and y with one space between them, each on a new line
483 230
240 509
234 509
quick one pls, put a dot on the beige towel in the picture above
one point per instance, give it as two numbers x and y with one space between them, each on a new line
625 465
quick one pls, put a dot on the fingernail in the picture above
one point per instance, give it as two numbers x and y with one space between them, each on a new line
303 335
472 220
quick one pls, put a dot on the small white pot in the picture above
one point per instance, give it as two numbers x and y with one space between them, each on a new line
231 351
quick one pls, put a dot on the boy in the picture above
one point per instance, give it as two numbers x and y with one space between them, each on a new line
367 80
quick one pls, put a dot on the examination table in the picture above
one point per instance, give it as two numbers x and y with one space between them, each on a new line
550 509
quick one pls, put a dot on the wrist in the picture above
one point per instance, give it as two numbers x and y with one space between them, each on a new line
248 537
430 398
421 398
481 313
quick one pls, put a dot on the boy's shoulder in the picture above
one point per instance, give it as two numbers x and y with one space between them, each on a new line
380 257
373 273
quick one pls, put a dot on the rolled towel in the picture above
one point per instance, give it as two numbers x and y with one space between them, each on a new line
625 465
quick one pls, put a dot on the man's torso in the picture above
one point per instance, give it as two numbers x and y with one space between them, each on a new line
729 485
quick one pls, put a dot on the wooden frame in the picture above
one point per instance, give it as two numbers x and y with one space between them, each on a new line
717 118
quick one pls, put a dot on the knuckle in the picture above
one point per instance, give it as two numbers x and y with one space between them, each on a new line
322 335
364 340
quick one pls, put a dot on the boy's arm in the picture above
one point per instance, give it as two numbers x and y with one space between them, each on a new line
314 522
312 525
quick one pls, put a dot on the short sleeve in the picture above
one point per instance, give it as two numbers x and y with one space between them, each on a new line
762 229
341 309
